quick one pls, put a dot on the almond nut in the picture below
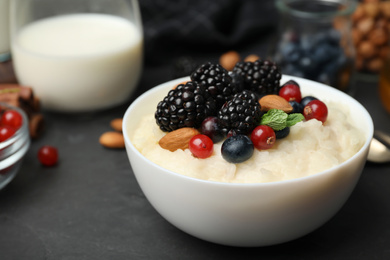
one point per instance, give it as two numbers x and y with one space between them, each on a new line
112 140
229 59
275 102
251 58
116 124
178 139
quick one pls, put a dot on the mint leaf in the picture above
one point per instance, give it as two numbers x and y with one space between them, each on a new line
275 118
292 119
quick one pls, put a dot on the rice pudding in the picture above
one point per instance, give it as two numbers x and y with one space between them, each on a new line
311 147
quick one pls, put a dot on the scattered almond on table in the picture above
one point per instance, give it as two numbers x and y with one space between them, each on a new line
113 139
116 124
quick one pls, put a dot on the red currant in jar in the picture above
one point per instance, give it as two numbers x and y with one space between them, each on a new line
201 146
48 155
316 109
263 137
11 118
291 92
6 132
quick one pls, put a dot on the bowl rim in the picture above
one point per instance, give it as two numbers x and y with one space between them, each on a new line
365 147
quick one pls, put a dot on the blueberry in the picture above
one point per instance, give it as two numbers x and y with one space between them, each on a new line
282 133
291 52
237 149
297 107
210 127
324 53
306 100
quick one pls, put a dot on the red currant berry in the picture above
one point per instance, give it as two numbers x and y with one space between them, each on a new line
48 155
11 118
291 92
201 146
263 137
316 109
6 132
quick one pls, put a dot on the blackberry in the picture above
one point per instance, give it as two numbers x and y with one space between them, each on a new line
217 81
241 114
261 76
185 106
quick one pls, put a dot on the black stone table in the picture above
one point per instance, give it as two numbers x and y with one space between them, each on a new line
90 206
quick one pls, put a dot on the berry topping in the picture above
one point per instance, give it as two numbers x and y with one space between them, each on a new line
315 109
237 149
48 155
217 82
262 76
240 114
185 106
210 127
263 137
201 146
291 92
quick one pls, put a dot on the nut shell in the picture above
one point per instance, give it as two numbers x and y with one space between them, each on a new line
116 124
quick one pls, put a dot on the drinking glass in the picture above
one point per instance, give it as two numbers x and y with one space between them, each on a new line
4 31
77 55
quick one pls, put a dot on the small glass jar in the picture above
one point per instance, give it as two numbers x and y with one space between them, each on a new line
314 41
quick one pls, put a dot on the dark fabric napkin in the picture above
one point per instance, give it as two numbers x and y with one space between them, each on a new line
189 26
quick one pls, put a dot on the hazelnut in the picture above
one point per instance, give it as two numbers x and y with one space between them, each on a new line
378 36
356 36
384 52
365 25
358 14
366 49
371 9
385 8
359 63
375 64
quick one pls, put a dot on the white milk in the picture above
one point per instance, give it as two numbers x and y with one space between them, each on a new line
79 62
4 29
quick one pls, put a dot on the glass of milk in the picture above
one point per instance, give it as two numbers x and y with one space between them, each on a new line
77 55
5 48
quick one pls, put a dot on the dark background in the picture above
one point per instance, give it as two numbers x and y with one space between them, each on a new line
90 206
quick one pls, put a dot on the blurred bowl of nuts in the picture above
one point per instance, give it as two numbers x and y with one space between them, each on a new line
371 35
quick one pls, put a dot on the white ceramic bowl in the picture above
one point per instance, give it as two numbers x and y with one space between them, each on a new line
247 214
